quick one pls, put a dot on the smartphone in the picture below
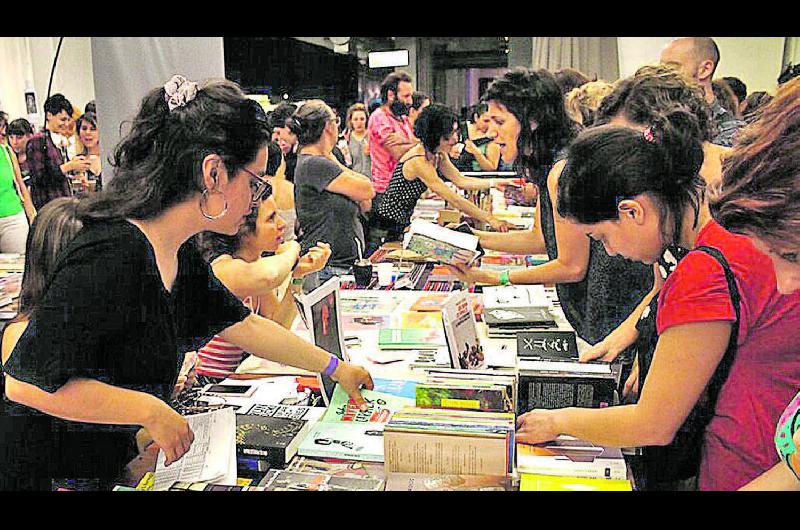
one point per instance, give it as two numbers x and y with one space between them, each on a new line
464 130
230 390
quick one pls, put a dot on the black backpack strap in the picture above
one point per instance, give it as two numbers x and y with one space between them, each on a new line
721 373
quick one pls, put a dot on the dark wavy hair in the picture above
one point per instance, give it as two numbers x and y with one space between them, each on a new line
19 127
158 164
534 95
54 226
609 163
434 123
310 120
569 79
645 95
57 103
759 193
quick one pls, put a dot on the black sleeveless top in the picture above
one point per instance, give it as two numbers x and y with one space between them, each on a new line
401 196
611 289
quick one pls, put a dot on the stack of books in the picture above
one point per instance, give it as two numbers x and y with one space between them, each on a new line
514 309
580 465
458 442
479 390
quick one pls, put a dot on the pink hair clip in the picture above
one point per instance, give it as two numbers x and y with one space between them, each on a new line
648 135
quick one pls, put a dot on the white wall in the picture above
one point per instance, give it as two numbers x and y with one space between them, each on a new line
26 63
755 60
14 70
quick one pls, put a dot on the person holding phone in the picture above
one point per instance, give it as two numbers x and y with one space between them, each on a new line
100 356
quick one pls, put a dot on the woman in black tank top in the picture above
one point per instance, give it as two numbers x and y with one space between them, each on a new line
596 291
423 167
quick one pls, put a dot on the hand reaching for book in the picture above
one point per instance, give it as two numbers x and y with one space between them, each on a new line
536 426
615 343
469 275
352 378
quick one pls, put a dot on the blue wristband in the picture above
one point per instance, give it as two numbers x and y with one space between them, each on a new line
332 365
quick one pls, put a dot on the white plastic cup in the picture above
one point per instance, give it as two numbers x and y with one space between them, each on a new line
385 271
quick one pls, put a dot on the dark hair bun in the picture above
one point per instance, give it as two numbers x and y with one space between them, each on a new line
677 131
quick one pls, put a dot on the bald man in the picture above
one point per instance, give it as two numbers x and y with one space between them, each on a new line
697 58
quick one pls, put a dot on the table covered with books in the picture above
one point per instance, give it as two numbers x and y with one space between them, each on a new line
429 426
452 366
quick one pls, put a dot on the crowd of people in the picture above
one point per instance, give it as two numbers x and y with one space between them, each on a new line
668 204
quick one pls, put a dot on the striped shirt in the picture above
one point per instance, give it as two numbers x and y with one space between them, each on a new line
219 358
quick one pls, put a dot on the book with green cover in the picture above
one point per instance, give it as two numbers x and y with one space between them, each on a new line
410 339
349 433
380 407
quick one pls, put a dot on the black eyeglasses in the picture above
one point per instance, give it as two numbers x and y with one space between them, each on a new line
259 187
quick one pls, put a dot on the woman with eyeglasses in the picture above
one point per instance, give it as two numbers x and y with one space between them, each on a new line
131 293
329 196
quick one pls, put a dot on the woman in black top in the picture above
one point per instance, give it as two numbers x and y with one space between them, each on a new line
130 294
420 168
596 291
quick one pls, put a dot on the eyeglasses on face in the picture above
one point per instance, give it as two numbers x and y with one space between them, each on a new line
259 186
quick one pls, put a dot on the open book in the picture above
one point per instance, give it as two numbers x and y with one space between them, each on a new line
441 244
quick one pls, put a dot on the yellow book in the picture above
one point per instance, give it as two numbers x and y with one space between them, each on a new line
531 482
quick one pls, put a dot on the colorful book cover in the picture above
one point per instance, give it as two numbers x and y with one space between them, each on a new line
425 482
429 302
380 407
284 480
337 468
494 399
409 339
465 349
396 387
534 482
418 320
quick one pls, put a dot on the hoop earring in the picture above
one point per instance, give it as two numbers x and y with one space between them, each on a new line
204 198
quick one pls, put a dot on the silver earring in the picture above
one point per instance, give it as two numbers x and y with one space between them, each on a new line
204 199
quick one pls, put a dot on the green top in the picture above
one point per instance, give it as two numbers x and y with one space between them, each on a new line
10 203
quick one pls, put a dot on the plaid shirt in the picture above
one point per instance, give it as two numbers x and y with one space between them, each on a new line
44 160
727 125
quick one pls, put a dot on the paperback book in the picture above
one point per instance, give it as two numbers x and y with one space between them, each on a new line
428 482
285 480
535 482
568 456
272 439
459 442
410 339
460 331
347 432
441 244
